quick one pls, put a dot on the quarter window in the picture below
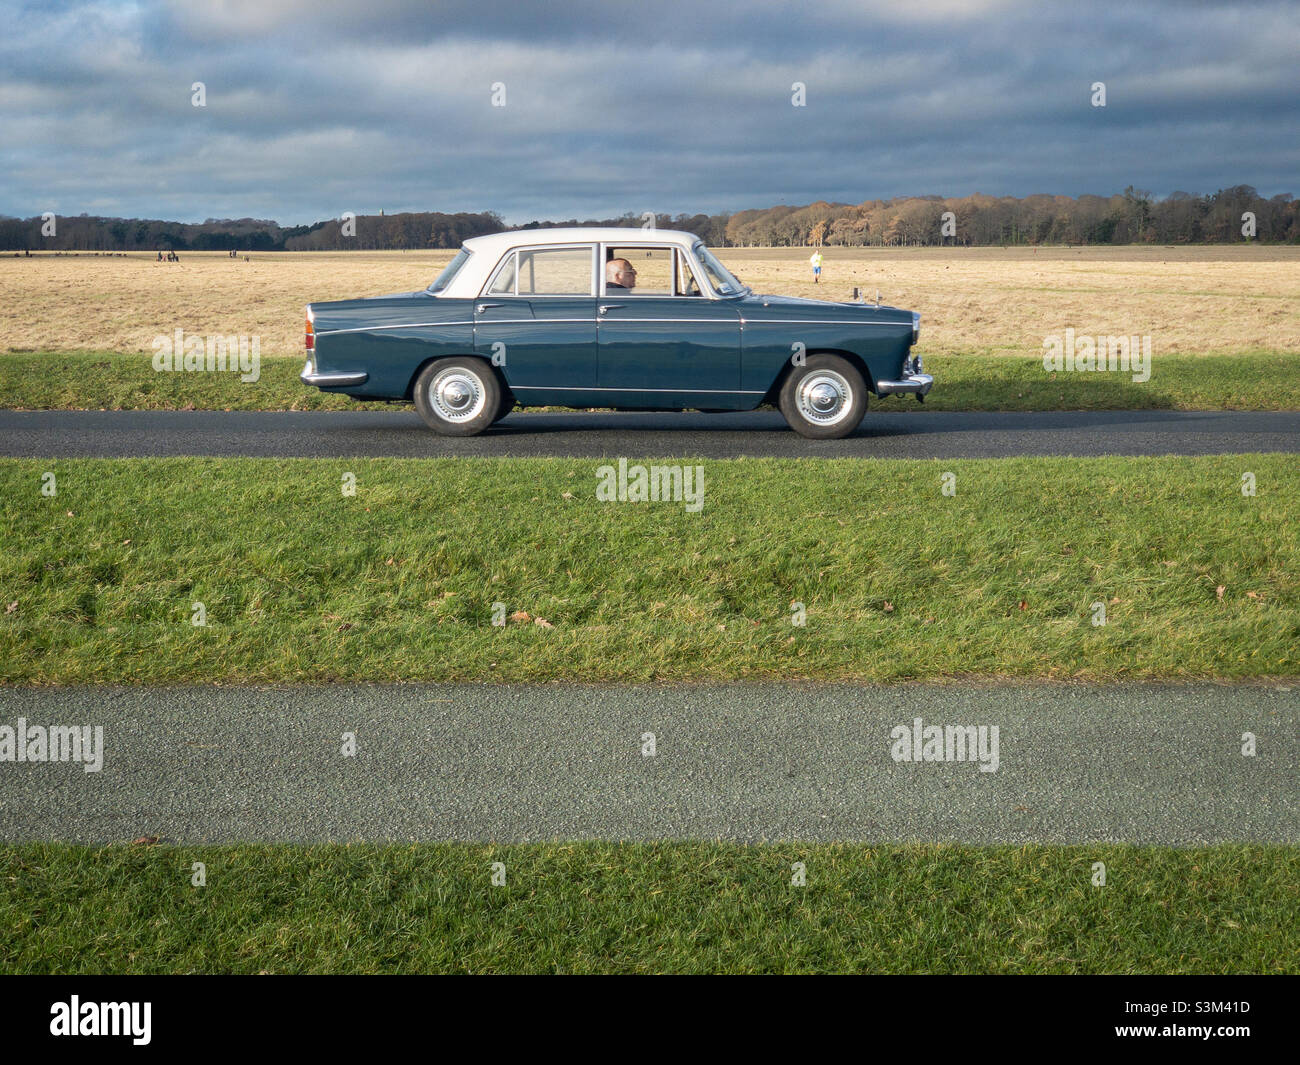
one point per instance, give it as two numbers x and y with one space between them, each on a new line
686 283
452 269
504 283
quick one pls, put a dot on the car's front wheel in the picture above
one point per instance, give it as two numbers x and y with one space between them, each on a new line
505 406
824 399
458 397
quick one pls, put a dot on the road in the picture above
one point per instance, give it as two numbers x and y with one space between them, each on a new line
750 762
893 434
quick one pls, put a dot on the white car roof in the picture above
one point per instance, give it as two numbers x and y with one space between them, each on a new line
486 251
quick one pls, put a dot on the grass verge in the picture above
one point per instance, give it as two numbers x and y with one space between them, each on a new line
1253 380
401 581
649 908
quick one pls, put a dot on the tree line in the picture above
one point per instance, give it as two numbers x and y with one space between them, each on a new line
1131 217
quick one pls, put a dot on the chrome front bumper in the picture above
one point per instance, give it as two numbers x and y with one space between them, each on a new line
309 376
915 384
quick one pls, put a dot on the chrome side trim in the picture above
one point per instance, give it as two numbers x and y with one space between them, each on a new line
693 391
814 321
603 319
375 328
539 321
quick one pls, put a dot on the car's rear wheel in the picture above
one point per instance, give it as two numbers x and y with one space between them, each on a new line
458 397
825 398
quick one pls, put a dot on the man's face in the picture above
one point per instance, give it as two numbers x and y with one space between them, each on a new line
623 273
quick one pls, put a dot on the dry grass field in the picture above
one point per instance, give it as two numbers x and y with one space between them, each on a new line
985 301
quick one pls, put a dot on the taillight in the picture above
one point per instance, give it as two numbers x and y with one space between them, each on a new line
311 334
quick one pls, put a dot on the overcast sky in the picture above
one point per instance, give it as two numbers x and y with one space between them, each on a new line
314 108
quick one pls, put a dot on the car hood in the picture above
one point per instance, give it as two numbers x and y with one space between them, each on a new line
807 306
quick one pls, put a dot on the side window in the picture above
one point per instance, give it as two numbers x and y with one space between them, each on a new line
686 283
555 272
644 271
504 283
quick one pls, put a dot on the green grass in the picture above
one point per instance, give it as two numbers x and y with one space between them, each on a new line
95 380
649 908
898 581
1255 380
1252 380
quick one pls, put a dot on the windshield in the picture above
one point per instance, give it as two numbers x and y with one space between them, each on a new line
723 280
453 268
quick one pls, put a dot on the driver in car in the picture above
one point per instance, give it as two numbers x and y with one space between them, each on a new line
619 274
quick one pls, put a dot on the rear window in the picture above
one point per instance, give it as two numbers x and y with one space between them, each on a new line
554 272
452 269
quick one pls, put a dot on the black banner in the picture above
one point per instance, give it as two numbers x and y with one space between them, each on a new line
90 1015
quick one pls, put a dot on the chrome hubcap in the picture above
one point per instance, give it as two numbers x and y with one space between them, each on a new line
457 394
824 397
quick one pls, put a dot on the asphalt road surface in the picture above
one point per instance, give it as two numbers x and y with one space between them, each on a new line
889 434
1144 764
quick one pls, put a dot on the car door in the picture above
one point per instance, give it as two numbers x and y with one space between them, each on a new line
536 320
661 346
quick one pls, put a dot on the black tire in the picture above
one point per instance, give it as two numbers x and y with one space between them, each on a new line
506 405
458 396
824 399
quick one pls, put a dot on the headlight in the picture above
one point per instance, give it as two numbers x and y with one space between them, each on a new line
916 326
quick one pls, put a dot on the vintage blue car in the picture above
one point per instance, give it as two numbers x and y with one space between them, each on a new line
634 319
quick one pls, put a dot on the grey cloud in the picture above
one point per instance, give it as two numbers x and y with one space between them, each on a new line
317 108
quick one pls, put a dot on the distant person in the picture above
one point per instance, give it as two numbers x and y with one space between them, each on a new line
816 261
160 256
619 275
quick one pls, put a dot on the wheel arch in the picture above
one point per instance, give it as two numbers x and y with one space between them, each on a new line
852 358
424 364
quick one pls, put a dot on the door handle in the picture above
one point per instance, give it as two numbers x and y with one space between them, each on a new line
606 307
482 307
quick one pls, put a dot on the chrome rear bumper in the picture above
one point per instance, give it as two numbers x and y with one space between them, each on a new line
309 376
